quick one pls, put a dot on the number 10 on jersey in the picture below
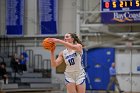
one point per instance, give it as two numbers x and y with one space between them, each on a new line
71 61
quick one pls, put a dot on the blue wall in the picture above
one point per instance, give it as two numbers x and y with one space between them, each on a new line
97 62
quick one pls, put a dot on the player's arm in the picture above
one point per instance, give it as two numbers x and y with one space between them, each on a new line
77 47
58 61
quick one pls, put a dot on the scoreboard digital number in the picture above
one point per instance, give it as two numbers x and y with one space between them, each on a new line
112 5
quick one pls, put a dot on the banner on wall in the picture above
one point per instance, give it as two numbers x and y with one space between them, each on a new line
120 11
121 17
48 16
14 17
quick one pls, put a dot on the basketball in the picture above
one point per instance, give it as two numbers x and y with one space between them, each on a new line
48 45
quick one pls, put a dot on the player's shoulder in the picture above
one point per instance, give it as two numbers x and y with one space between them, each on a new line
64 51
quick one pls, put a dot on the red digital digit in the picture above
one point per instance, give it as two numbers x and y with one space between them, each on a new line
107 4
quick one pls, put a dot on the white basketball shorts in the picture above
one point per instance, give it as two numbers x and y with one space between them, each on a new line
75 77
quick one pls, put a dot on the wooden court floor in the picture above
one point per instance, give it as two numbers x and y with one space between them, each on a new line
66 92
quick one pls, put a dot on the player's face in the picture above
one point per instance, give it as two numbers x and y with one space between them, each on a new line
113 65
68 38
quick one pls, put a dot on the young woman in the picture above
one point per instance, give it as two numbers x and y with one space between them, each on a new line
72 56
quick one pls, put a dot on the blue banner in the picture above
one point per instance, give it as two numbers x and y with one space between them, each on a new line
120 17
48 16
14 17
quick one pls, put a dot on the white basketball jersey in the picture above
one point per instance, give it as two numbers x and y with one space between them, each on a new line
73 60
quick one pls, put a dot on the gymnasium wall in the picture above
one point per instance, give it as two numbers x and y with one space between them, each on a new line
66 19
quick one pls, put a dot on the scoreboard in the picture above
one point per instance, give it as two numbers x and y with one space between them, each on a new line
120 11
112 5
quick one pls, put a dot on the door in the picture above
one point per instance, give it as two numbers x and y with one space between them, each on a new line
128 69
123 68
135 70
98 61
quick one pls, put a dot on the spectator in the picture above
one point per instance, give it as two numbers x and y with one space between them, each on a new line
25 55
14 63
23 61
3 73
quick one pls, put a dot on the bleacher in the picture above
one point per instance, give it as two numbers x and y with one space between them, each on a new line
29 81
38 75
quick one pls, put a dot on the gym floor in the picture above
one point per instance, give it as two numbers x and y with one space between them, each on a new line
65 92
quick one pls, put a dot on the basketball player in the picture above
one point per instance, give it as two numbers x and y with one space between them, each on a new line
72 56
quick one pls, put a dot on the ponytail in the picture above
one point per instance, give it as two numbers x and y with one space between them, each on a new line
76 39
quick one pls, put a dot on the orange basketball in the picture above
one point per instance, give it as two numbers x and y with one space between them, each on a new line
48 45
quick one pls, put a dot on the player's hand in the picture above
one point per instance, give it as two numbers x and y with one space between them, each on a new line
53 40
52 51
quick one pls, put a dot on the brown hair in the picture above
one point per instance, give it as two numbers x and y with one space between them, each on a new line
76 39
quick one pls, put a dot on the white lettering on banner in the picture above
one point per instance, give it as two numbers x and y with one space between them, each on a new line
119 16
126 16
